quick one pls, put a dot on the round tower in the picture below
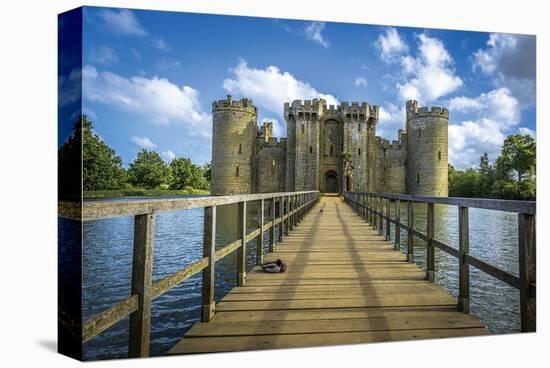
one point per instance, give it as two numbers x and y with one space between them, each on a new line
233 146
427 146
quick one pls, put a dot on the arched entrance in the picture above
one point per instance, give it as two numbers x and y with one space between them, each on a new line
331 182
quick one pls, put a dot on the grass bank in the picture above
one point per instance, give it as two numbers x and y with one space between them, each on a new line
139 192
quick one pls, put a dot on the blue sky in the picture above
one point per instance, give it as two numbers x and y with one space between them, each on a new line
149 77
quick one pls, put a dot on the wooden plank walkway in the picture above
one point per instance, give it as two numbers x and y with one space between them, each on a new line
344 285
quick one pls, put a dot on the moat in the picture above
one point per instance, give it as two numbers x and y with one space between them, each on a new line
178 242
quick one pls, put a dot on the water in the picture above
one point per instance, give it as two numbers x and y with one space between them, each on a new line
107 251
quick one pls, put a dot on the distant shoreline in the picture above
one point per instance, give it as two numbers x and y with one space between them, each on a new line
138 192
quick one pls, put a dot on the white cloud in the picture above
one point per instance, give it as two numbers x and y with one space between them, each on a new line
168 156
122 22
314 32
156 100
69 87
143 142
510 60
391 118
391 45
527 131
161 44
360 82
470 139
498 105
431 73
490 117
279 128
103 55
270 88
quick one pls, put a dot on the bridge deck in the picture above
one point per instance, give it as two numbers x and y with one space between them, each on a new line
345 284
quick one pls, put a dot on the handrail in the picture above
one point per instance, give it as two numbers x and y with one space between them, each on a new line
292 208
96 210
370 206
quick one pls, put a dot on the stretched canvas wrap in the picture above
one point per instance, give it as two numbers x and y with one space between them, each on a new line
231 183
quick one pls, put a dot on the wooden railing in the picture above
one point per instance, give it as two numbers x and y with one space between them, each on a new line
371 207
292 208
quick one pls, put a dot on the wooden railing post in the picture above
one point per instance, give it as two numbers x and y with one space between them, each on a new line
381 218
364 202
208 274
301 216
527 271
272 230
142 277
430 248
281 223
388 212
397 224
290 213
260 240
241 251
375 210
369 208
463 267
287 214
410 224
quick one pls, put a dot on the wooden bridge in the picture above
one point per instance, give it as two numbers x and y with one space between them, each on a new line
346 281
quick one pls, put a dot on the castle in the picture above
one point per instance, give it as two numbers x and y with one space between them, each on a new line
328 148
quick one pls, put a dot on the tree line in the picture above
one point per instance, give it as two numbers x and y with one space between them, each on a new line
102 168
511 176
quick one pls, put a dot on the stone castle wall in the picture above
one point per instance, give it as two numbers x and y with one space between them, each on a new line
392 164
322 141
271 166
427 146
233 146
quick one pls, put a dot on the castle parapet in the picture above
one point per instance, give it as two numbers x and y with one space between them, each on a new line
413 109
244 104
308 109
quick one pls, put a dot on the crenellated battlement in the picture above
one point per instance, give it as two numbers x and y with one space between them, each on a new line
362 108
244 104
313 109
308 109
272 143
384 143
414 110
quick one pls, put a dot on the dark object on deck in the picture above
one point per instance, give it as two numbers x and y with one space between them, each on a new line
274 267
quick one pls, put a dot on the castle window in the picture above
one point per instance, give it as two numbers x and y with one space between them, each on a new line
303 128
439 155
273 162
310 149
359 127
419 133
331 150
417 178
359 151
237 171
240 148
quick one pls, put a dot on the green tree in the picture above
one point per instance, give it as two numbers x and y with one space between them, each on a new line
101 167
464 183
69 165
504 189
185 175
207 171
486 177
518 156
149 171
